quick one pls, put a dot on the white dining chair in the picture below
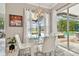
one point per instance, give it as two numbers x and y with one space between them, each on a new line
22 46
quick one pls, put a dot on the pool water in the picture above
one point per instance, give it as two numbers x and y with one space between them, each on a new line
70 33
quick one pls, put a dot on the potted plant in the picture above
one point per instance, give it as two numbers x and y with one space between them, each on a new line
12 42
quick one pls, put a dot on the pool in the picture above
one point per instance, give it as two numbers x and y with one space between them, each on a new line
70 33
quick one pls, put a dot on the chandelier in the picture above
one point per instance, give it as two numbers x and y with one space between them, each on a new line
38 13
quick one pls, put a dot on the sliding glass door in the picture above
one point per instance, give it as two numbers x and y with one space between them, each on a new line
68 28
74 28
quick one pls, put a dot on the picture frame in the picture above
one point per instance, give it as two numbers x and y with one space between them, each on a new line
15 20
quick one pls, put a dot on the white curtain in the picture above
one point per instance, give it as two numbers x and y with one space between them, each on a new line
47 20
27 14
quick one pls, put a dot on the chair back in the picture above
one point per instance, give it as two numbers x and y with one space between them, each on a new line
18 40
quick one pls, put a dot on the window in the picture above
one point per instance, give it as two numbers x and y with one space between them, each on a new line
1 23
2 39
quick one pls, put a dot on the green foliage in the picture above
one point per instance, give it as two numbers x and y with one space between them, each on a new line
62 25
11 40
72 24
1 23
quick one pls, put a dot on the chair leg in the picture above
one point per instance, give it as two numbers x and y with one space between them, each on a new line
19 53
28 53
23 52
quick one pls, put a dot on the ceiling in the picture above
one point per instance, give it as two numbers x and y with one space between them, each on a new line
49 5
44 5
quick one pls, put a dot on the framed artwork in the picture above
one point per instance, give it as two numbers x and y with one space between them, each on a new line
15 21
